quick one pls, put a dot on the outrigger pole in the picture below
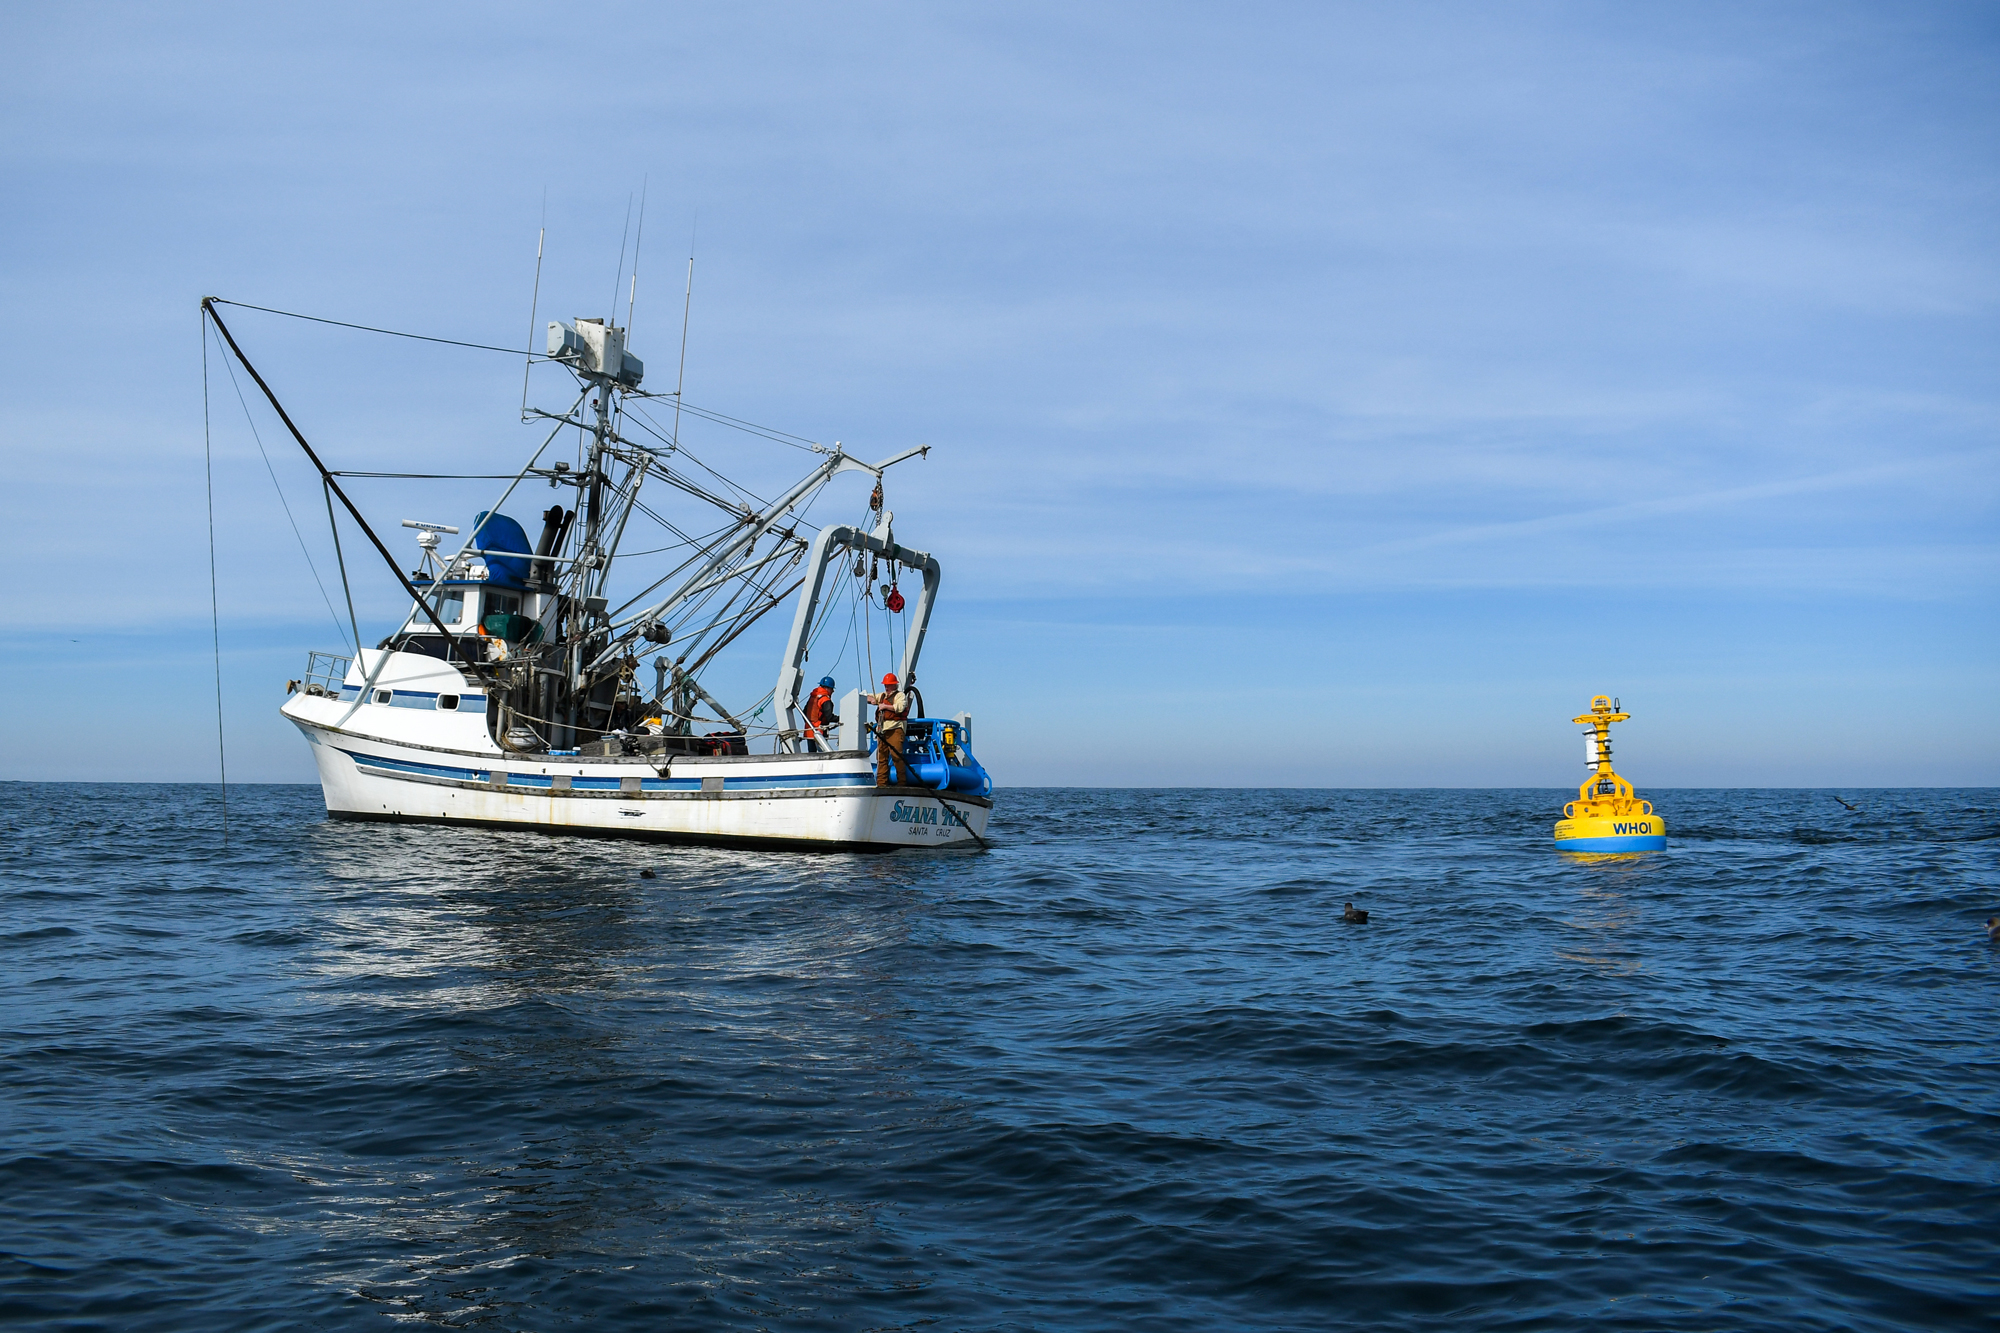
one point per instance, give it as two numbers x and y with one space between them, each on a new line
326 476
836 463
834 540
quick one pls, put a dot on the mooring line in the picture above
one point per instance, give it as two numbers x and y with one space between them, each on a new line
214 598
983 844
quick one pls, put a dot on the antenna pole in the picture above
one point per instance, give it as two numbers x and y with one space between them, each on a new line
611 316
534 308
637 241
687 305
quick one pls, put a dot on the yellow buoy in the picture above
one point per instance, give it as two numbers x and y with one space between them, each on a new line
1605 816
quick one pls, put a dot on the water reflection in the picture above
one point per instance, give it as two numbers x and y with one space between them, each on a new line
1603 912
575 1060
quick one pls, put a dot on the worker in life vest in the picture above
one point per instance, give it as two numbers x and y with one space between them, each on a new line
892 707
819 714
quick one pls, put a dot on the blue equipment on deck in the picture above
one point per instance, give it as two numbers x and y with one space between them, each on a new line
939 752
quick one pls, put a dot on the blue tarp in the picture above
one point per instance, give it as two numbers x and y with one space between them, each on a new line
497 532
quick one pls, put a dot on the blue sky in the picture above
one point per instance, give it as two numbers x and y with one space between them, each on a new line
1322 394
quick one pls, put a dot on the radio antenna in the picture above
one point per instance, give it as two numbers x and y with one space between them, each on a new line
686 306
611 315
534 308
637 241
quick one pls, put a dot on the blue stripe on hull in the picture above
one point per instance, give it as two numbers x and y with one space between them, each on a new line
531 781
1655 842
467 703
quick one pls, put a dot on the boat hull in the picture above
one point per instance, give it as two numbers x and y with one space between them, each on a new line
806 801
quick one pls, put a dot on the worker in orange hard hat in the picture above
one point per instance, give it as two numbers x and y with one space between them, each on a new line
892 708
819 714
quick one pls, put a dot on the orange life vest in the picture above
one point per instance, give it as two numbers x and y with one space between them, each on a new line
817 704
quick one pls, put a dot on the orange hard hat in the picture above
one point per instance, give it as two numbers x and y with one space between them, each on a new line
889 679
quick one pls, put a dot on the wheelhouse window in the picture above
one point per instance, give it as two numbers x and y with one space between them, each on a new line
449 603
448 702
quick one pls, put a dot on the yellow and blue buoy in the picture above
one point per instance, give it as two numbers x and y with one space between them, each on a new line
1605 816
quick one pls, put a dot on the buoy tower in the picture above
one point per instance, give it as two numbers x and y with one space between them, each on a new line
1605 816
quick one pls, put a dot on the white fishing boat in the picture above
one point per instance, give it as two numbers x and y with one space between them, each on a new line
514 694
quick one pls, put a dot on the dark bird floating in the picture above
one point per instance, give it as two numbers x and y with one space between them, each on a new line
1355 915
647 873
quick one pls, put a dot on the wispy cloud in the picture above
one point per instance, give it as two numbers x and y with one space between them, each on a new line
1630 511
1298 300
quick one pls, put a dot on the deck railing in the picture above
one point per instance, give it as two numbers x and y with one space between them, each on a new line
324 673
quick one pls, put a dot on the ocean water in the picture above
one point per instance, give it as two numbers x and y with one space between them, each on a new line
1127 1070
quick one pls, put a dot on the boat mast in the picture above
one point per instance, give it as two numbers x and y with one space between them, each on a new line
593 514
595 350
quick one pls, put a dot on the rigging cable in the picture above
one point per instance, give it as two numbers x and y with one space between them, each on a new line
866 593
286 504
727 615
647 424
840 654
798 511
685 540
214 598
326 493
746 618
430 476
369 328
208 308
698 543
704 540
762 503
735 509
825 622
630 555
769 432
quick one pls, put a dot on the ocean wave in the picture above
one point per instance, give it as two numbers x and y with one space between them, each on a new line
1127 1069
